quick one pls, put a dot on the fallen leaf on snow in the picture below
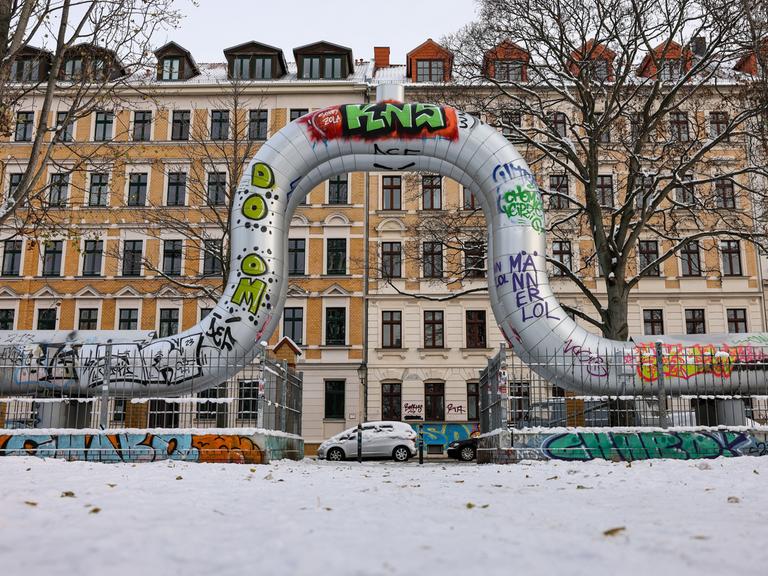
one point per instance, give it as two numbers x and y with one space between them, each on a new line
580 487
95 510
552 478
30 503
733 500
67 494
470 505
614 531
179 478
111 485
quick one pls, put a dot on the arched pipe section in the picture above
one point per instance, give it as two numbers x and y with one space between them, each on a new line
381 137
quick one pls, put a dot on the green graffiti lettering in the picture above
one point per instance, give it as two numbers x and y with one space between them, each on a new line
524 202
262 176
249 292
253 265
401 114
254 207
429 115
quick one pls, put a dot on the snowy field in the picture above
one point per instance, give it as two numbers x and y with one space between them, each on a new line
296 518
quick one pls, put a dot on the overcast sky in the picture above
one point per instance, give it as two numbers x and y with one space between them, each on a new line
359 24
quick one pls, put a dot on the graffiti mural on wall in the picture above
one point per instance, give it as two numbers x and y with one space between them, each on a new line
446 433
628 446
134 447
685 362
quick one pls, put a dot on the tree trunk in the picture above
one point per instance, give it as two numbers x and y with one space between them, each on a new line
615 322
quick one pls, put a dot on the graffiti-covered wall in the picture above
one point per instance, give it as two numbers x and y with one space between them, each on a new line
437 433
254 448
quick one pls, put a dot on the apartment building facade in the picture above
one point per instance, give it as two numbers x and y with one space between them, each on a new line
384 331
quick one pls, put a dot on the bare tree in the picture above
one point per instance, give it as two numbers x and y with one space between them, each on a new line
646 87
84 53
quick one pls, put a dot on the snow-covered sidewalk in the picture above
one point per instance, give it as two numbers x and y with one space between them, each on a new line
296 518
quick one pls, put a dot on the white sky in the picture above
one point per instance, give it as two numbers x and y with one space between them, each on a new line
361 25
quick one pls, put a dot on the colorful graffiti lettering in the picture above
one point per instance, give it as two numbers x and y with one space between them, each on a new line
135 447
583 446
594 363
504 173
524 201
446 433
382 120
520 270
685 362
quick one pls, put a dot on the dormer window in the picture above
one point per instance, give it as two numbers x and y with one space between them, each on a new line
311 67
263 68
171 68
670 70
323 60
73 68
333 67
25 70
241 69
430 70
327 67
508 71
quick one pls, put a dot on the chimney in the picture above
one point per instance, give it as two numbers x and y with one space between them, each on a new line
381 56
698 46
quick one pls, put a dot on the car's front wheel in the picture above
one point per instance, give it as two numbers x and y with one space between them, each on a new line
467 454
401 454
335 454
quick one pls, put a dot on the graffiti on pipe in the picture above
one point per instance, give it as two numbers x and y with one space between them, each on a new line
134 447
581 446
592 362
381 121
685 362
520 270
523 202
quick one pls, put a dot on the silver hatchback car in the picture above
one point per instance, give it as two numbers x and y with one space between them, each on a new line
396 440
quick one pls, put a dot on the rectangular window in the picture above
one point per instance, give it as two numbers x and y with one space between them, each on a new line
334 399
391 329
11 257
217 189
561 251
6 319
204 313
725 195
737 320
731 254
476 333
132 251
263 67
24 125
219 124
468 199
690 259
297 113
391 259
142 126
88 319
172 257
73 67
293 324
212 252
103 128
241 68
685 192
474 259
434 401
604 189
333 67
310 68
99 189
257 125
653 322
694 321
391 401
335 326
169 322
648 251
180 125
392 190
65 130
558 185
52 258
58 190
25 70
128 319
137 189
171 68
678 125
118 410
206 411
46 319
559 124
296 257
337 189
670 70
511 124
247 400
432 192
92 251
473 401
430 71
14 180
177 189
508 70
718 124
433 329
336 256
433 259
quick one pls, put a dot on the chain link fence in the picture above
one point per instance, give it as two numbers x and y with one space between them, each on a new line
264 393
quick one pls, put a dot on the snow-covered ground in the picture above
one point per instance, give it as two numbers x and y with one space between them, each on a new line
295 518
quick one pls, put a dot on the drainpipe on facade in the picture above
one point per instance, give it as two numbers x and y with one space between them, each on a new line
751 159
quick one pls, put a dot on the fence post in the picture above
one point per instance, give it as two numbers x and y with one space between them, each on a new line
284 398
359 442
421 443
104 412
661 390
